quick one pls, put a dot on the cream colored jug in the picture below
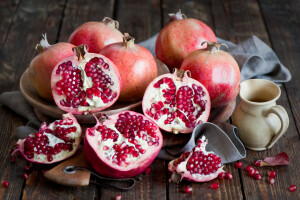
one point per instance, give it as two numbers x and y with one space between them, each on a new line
259 120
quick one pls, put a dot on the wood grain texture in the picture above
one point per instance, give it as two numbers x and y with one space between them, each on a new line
7 13
230 189
236 21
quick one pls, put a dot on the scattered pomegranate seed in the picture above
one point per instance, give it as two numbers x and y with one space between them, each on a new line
293 188
26 168
256 171
257 176
148 170
118 197
13 160
221 176
238 165
272 173
248 168
228 175
214 186
271 180
5 184
188 189
257 163
251 172
25 176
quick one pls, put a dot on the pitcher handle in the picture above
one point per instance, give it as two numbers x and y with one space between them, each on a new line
284 119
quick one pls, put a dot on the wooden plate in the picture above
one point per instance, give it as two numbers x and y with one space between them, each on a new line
44 108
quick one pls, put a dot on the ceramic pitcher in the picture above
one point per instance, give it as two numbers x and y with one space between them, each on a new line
259 120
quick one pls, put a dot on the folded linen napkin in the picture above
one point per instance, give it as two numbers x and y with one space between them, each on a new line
255 59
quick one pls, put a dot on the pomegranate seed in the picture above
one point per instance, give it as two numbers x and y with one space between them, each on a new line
251 172
293 188
25 176
248 168
256 171
228 175
221 176
257 176
118 197
188 189
5 184
238 165
26 168
148 170
257 163
272 173
271 180
13 160
214 186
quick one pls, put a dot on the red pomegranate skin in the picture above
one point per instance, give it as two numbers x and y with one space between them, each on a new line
217 71
41 66
179 38
96 35
137 68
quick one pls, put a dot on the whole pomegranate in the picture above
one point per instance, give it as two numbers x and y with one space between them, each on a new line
123 145
85 82
198 165
136 65
55 142
217 71
97 35
180 37
41 66
176 102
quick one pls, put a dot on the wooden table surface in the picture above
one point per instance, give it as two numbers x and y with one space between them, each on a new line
276 22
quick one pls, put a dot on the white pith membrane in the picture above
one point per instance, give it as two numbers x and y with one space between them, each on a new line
198 165
88 85
176 104
122 150
53 138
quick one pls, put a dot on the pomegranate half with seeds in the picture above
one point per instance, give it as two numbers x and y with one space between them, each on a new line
176 102
97 35
198 165
85 82
55 142
180 37
122 145
41 66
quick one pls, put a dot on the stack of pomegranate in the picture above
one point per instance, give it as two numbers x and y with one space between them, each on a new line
99 65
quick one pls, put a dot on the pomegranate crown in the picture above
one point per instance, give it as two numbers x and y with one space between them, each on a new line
110 22
44 44
214 47
80 51
177 16
128 41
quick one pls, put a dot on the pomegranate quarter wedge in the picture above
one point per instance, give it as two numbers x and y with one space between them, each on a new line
123 145
55 142
176 102
198 165
85 82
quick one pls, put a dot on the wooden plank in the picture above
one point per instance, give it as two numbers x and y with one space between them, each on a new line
7 12
78 12
281 19
229 189
31 20
236 21
141 20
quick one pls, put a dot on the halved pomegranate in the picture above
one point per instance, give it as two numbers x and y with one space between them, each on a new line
85 82
55 142
198 165
176 102
123 145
